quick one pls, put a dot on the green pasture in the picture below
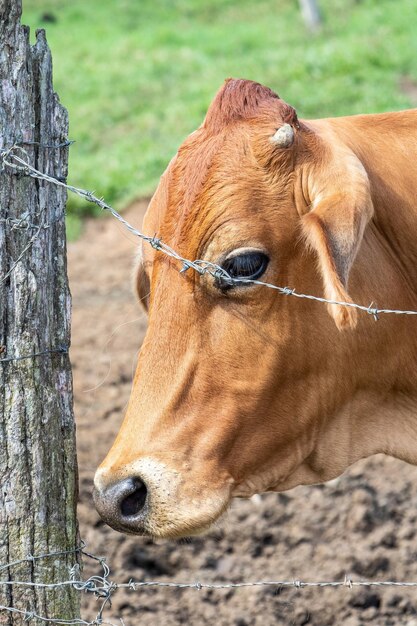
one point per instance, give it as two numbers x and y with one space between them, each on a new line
137 75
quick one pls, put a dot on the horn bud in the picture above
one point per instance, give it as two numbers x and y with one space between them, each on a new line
284 137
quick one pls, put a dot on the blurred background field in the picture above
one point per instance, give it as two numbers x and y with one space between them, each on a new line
137 76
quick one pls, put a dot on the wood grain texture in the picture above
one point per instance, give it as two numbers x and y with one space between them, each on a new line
38 470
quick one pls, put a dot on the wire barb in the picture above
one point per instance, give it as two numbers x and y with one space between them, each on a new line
373 311
155 243
185 267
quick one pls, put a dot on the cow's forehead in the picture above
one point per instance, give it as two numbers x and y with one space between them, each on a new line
210 183
216 163
208 191
198 156
242 112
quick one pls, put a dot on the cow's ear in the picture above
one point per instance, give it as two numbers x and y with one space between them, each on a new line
340 210
141 282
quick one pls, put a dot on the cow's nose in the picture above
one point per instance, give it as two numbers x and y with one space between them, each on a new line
132 495
121 504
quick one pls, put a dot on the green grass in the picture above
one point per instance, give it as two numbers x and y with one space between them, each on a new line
73 222
137 76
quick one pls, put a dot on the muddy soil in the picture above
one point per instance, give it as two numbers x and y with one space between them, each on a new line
362 525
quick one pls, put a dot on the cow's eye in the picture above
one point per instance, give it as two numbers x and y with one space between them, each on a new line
245 266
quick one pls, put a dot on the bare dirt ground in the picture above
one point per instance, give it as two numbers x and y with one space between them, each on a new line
363 524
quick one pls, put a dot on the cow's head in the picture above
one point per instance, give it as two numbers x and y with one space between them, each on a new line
240 389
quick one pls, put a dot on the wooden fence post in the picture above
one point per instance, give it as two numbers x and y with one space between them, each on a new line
311 14
38 470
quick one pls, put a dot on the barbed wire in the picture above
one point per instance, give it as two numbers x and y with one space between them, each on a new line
32 559
22 223
103 587
12 159
9 359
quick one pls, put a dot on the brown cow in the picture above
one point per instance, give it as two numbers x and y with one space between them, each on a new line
240 389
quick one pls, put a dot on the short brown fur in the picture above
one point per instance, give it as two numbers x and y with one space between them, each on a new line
245 391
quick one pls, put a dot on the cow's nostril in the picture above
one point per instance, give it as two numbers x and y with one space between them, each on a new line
135 501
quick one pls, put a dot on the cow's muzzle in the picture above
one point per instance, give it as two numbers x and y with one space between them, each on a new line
123 505
146 497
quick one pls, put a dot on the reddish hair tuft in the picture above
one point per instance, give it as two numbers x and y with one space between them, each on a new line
240 99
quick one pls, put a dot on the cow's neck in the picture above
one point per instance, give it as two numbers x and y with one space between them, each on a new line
370 424
366 426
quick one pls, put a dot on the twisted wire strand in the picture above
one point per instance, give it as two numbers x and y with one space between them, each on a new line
31 559
12 158
103 587
59 350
